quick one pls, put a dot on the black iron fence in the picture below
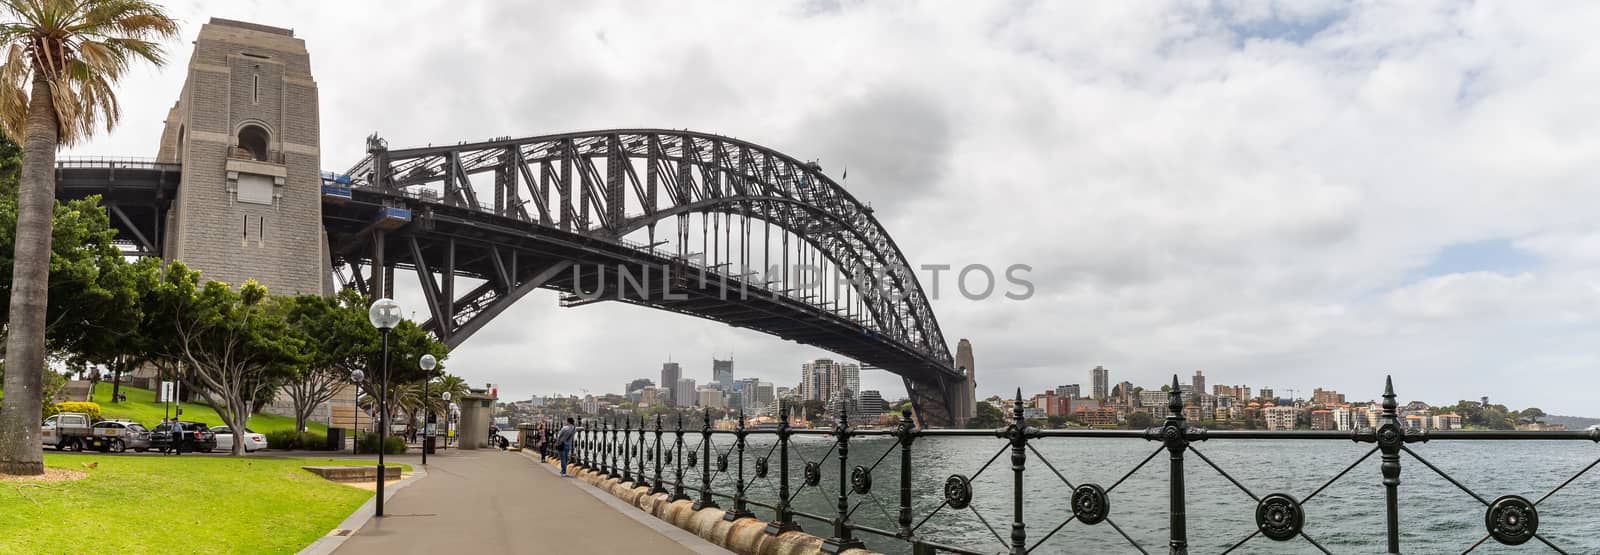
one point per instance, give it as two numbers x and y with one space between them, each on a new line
658 456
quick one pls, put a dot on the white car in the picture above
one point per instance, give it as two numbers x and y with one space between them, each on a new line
252 441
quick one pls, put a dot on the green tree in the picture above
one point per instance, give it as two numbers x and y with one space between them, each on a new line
56 83
330 332
1140 419
813 410
986 417
233 345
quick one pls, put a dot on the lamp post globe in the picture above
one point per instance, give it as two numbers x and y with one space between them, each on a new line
384 314
427 363
446 398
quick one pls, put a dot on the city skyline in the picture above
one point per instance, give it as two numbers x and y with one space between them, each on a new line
1281 195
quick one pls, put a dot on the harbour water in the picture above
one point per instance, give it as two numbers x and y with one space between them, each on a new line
1346 517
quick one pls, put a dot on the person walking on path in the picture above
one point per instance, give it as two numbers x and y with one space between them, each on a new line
564 440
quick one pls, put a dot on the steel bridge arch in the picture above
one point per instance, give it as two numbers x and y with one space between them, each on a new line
609 184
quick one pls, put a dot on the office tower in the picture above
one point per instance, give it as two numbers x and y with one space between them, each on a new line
1100 379
670 372
722 373
1199 385
684 394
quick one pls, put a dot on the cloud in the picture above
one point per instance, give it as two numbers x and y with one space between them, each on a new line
1254 190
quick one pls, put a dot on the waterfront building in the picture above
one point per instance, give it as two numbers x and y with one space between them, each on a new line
1343 418
1279 418
1069 391
1153 398
1446 422
1100 382
1095 416
1322 419
1033 413
871 405
1198 382
648 396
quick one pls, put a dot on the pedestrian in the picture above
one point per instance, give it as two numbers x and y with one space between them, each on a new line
564 441
177 436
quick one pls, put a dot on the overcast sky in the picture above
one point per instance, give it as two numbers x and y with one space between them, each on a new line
1281 195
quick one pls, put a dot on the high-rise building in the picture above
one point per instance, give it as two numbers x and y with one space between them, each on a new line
1199 385
849 378
1100 380
758 397
1268 394
722 373
1069 391
684 393
670 372
817 380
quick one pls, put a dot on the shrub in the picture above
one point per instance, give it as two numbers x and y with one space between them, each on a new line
91 409
290 439
369 444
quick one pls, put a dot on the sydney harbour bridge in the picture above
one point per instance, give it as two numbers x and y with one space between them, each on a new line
694 223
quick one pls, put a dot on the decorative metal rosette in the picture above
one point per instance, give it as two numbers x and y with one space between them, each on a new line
1279 517
1512 520
860 479
958 491
1089 504
761 467
1389 434
722 462
813 474
691 459
666 457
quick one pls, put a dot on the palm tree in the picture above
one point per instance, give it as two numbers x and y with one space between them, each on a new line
61 61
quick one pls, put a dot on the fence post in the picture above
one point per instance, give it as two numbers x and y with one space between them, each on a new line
1019 459
627 448
1390 438
739 509
1174 434
657 487
616 451
605 448
842 540
784 519
907 433
706 501
641 479
677 482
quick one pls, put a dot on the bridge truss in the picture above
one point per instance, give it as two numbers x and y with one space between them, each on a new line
689 222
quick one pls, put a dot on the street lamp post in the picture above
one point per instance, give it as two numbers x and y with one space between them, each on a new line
427 363
384 315
446 398
356 377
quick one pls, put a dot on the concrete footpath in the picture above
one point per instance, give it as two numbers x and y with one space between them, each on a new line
503 502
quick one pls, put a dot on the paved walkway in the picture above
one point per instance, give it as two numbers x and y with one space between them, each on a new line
502 502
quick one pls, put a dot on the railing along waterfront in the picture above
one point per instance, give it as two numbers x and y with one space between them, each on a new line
634 451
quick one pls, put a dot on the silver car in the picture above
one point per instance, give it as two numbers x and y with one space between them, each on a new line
123 435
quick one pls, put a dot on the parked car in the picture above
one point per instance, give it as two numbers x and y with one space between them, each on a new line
252 440
117 436
195 438
65 431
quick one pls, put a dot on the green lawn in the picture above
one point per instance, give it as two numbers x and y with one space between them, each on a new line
141 406
152 504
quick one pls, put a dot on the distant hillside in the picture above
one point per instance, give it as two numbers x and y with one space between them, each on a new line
1572 422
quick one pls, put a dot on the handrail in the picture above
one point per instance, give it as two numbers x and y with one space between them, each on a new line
115 162
1509 520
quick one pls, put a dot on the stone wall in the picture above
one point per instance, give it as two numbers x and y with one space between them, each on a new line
746 536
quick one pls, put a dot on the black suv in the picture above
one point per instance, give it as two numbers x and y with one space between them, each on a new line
195 438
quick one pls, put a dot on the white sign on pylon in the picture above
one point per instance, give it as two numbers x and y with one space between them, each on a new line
167 392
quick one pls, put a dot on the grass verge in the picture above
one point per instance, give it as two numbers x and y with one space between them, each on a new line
142 407
175 505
